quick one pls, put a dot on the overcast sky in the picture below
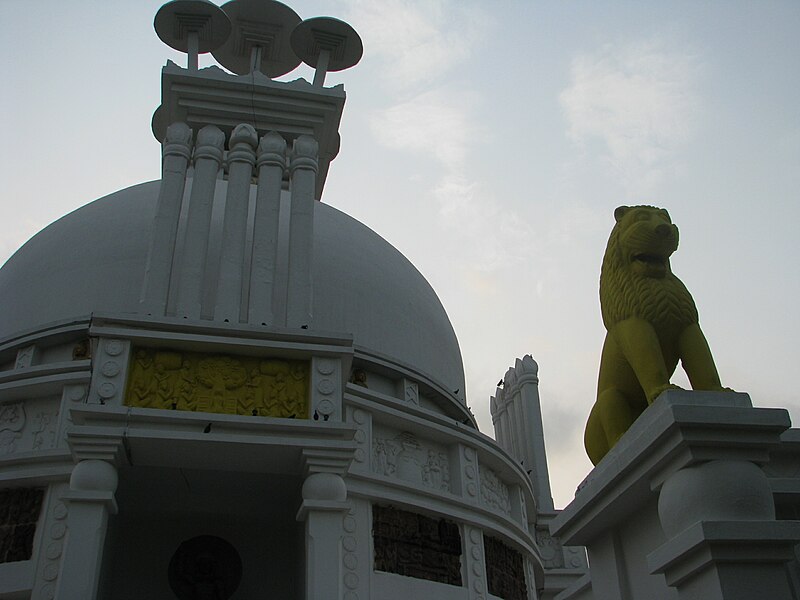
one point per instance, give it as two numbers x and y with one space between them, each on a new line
490 143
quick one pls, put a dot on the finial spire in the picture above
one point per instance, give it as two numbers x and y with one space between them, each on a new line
326 44
259 39
192 26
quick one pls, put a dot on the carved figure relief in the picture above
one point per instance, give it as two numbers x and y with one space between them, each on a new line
19 432
12 421
494 492
414 545
404 457
550 550
218 384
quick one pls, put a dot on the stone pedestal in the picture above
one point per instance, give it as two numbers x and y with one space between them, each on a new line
680 508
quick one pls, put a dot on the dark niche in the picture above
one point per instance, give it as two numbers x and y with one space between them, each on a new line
416 546
19 512
504 570
205 567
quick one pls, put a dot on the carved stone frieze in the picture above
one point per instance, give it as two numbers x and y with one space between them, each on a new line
403 456
415 545
218 383
550 550
494 493
27 426
504 569
26 357
19 512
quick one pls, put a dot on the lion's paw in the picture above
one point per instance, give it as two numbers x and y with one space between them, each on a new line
657 391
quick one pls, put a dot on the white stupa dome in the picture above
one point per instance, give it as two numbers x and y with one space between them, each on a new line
93 259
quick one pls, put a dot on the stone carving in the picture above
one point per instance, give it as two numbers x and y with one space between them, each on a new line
26 357
504 570
82 350
416 546
28 426
19 512
12 421
651 321
410 391
359 377
550 550
494 493
218 384
403 456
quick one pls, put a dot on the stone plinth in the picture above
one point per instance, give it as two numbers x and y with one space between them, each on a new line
680 507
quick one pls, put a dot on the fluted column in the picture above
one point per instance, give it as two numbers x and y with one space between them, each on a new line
534 453
207 160
230 287
271 163
91 500
304 167
176 151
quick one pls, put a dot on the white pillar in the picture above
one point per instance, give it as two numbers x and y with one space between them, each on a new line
271 163
324 505
230 286
534 452
192 276
304 165
176 151
91 500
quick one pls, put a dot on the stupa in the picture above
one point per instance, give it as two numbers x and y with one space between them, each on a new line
215 385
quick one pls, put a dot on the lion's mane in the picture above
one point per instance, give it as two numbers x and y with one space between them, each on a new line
664 302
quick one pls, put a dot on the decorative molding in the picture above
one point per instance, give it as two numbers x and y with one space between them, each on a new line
350 552
469 472
108 371
326 394
54 535
403 456
363 422
217 383
475 566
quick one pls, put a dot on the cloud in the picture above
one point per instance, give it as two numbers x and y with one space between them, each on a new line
418 40
638 101
428 124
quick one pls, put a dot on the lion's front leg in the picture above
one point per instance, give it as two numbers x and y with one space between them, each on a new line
639 343
697 360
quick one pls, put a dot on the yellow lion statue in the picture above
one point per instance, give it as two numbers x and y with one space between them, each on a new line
651 321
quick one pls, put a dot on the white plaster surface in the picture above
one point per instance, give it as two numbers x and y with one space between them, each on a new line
93 259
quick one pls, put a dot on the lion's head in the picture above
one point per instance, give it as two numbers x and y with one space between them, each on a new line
636 278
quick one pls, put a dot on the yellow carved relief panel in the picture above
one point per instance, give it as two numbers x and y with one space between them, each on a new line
217 383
